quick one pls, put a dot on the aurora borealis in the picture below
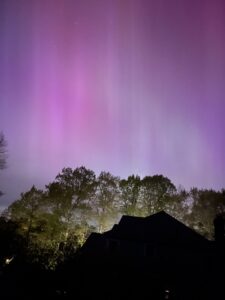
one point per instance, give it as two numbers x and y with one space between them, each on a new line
126 86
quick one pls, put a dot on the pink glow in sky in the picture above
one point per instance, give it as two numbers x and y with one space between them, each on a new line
126 86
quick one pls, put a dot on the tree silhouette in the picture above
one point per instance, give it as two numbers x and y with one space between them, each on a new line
3 145
3 154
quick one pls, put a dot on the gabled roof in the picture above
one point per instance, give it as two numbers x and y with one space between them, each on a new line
157 228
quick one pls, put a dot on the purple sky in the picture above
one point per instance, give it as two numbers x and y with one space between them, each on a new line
126 86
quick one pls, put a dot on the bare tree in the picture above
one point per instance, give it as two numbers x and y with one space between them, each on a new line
3 154
3 151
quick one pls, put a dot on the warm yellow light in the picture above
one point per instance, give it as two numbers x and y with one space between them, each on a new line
8 260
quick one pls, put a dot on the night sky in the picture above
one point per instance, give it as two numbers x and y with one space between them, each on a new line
126 86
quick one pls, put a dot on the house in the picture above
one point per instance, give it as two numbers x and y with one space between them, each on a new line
156 257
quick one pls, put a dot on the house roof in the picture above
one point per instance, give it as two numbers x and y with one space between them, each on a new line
156 228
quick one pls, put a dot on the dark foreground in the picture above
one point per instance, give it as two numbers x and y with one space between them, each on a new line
79 279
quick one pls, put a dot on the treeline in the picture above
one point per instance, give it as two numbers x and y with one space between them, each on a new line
48 226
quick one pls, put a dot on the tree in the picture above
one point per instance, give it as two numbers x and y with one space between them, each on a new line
130 194
156 191
27 212
106 204
41 229
3 145
79 183
3 155
178 205
70 197
11 241
206 204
